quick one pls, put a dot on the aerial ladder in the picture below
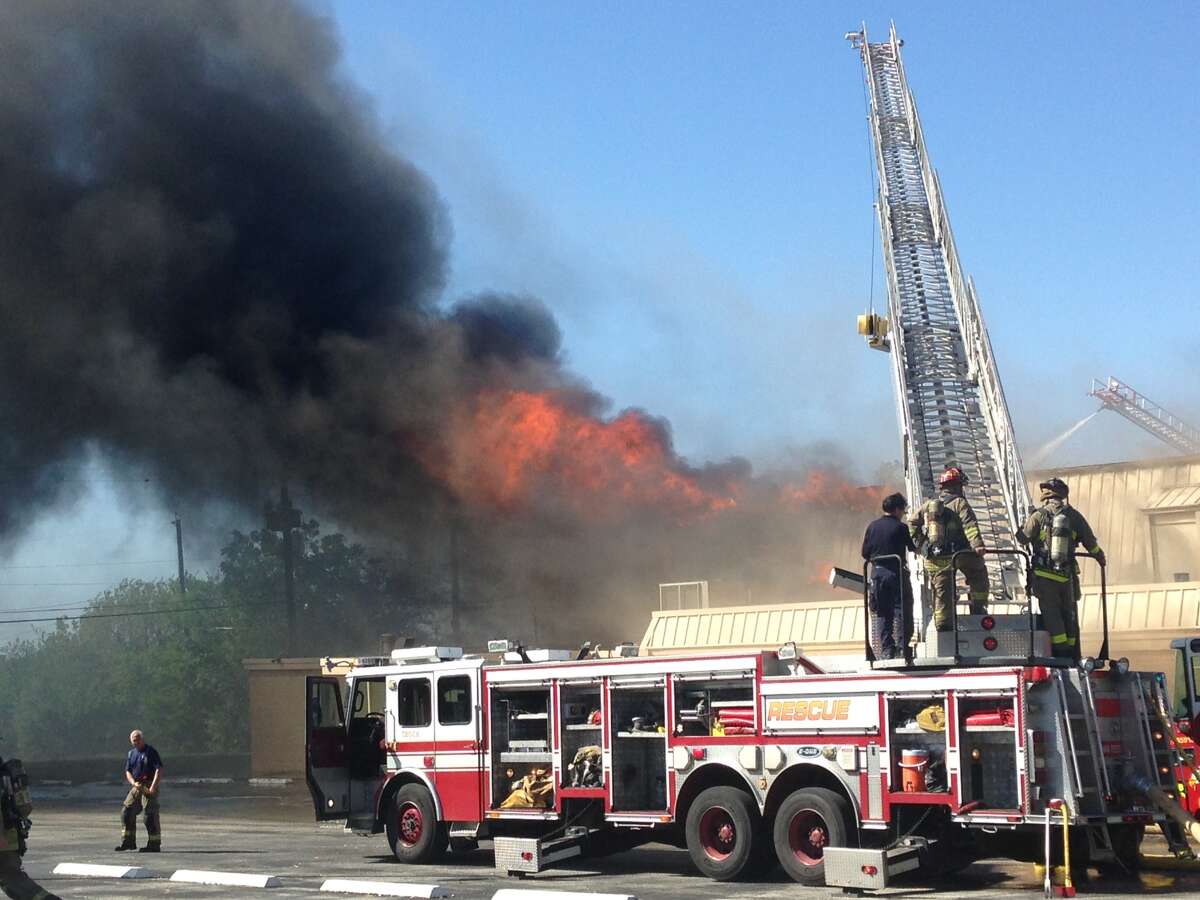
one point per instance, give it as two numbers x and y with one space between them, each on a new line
949 398
1142 411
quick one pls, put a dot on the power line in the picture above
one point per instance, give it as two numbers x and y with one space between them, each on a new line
52 583
142 612
131 562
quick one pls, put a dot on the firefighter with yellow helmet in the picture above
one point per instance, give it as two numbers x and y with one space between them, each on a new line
1052 533
15 807
942 527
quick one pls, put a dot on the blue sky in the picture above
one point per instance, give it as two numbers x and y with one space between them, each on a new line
688 187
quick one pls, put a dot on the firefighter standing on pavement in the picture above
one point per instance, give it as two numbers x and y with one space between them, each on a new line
890 589
1052 533
143 771
942 527
15 807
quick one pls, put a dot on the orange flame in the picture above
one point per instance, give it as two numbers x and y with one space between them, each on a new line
513 444
822 488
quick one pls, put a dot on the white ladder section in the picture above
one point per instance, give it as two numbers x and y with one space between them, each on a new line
950 402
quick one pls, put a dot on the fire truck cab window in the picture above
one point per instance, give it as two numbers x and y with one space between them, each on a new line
413 701
454 700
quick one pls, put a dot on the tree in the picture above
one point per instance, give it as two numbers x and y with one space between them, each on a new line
145 657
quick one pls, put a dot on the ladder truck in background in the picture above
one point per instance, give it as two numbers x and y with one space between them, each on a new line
1145 413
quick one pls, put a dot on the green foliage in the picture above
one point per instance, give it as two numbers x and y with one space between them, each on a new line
171 665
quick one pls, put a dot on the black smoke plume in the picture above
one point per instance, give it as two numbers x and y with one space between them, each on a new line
215 269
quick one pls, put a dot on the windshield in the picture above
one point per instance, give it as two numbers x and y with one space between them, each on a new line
1183 701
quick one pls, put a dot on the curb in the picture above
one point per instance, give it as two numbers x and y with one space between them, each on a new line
91 870
523 894
384 888
232 879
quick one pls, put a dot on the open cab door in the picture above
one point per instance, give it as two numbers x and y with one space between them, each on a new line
326 765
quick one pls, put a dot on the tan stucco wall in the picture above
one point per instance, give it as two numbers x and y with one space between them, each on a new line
277 715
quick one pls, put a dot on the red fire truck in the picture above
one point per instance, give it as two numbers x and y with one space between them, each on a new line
742 757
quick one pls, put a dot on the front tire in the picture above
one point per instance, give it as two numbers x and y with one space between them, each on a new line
807 822
413 830
722 828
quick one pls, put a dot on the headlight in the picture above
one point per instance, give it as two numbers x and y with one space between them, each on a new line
1088 664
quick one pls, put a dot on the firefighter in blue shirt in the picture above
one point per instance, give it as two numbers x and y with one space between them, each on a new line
143 771
890 590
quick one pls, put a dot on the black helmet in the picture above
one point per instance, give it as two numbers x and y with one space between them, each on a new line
1055 486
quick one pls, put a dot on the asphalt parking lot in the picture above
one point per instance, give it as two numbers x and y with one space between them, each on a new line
237 828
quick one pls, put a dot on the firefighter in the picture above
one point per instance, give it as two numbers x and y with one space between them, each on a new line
143 771
890 589
15 808
1052 533
942 527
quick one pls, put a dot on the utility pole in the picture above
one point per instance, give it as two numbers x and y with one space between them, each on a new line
285 518
455 583
179 553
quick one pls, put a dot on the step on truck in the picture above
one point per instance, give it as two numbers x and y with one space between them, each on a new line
740 757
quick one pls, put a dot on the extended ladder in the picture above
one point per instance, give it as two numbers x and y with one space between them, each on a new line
949 397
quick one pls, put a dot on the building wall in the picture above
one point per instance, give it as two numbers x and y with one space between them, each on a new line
1142 622
1144 519
277 705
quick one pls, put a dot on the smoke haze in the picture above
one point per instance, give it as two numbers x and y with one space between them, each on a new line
215 270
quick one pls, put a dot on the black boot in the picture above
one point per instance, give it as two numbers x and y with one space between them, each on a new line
126 844
151 848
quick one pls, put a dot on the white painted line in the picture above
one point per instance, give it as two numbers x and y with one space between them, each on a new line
269 782
522 894
202 780
89 870
384 888
234 879
56 782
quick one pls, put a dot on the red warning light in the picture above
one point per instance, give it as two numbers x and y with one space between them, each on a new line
990 643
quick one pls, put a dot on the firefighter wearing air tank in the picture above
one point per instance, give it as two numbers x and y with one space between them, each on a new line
940 528
15 807
1052 533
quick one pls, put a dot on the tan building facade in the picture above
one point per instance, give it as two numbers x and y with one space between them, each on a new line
277 704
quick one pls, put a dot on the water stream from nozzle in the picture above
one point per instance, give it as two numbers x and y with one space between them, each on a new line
1050 446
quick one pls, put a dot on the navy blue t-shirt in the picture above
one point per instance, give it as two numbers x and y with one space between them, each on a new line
887 536
142 764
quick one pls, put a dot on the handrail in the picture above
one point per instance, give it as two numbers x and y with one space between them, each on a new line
1103 655
905 611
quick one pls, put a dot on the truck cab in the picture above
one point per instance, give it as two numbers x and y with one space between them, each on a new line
410 719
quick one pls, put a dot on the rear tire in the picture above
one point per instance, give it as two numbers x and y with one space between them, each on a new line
808 821
723 826
413 830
